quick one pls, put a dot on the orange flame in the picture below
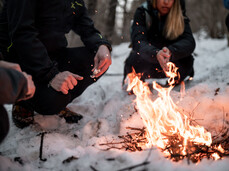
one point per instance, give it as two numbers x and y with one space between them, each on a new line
162 117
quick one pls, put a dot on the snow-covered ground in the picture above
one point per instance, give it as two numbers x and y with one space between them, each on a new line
108 110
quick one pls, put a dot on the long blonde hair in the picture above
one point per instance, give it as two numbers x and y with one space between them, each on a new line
174 25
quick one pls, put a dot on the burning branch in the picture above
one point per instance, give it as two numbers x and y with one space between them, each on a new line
130 142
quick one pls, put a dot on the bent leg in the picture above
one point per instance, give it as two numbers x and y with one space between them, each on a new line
148 70
185 67
48 101
79 61
4 123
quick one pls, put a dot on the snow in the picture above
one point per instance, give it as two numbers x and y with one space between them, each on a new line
108 110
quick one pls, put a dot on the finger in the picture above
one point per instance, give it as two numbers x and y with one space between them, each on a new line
102 70
166 60
96 63
18 68
69 84
28 96
74 81
164 49
64 91
77 77
102 63
30 93
167 55
29 77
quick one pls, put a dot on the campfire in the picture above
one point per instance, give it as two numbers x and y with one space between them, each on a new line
166 127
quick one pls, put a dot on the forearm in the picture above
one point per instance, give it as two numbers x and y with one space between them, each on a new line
91 37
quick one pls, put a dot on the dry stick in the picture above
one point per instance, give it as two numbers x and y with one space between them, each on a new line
92 168
223 132
130 141
41 146
146 162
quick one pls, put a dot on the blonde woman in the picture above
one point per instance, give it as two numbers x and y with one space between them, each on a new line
161 33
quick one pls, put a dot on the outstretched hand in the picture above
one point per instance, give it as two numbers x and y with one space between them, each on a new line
30 87
30 84
102 61
163 57
65 81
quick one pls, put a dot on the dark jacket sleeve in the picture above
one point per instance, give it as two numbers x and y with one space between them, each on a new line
90 36
184 45
33 55
139 37
13 86
1 56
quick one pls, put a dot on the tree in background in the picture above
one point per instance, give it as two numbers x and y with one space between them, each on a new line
92 5
208 16
128 14
110 19
113 18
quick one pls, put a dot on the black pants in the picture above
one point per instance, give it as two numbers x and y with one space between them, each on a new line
4 123
150 70
48 101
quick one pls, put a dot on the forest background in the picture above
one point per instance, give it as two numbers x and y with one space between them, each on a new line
113 18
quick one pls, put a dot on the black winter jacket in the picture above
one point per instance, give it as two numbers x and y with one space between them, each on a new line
32 29
148 41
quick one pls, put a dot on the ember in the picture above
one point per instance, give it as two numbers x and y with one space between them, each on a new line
166 127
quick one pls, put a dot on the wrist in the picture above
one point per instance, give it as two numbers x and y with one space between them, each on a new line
50 82
108 46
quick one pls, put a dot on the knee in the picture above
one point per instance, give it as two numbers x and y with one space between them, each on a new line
51 103
185 68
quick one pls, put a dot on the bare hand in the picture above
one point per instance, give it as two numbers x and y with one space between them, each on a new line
102 61
65 81
163 57
30 87
10 65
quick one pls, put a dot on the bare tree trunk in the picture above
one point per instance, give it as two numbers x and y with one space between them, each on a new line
92 4
126 22
208 16
110 20
128 15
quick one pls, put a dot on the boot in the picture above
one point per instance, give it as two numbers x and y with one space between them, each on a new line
69 116
22 117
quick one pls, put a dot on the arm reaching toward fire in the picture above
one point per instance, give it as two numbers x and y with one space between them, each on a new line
65 81
163 57
102 61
